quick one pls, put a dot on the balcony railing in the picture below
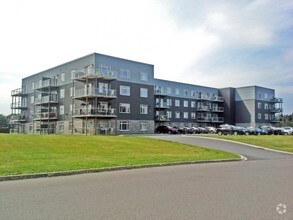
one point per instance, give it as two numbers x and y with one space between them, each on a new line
161 92
94 74
276 110
46 116
162 105
47 99
18 118
95 112
218 119
210 98
18 105
46 83
203 119
95 92
162 118
17 92
277 100
217 109
203 108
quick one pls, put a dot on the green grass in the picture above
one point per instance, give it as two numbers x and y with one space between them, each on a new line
277 142
23 154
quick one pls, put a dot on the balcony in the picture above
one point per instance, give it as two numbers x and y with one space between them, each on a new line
52 99
218 109
18 118
18 92
162 118
276 120
46 116
217 99
203 119
95 92
277 100
213 98
203 108
99 112
162 105
82 75
161 92
46 84
18 105
276 110
218 119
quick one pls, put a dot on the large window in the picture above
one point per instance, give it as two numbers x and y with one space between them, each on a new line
185 115
193 115
259 116
144 76
177 103
124 125
259 105
266 106
185 103
124 108
193 104
124 73
62 77
143 126
144 92
143 109
62 93
125 90
177 91
177 114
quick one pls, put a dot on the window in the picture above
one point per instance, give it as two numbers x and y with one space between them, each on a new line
62 77
71 91
169 90
61 127
177 114
143 109
32 99
258 115
185 103
143 76
33 85
266 116
259 95
266 96
193 115
143 92
177 91
124 125
266 106
193 104
193 93
62 93
259 105
73 74
124 108
185 115
61 110
169 102
169 114
177 103
185 93
143 126
124 73
104 69
125 90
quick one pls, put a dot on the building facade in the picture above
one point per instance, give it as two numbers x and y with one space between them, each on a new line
100 94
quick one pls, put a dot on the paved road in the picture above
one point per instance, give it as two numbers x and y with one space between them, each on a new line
235 190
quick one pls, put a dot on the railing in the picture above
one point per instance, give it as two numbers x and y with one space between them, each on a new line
18 91
18 118
162 118
95 92
204 119
46 83
161 92
277 100
162 105
210 98
47 99
84 74
218 119
18 105
99 112
45 116
218 109
276 110
203 108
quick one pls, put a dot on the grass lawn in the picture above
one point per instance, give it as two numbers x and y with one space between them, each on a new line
24 154
277 142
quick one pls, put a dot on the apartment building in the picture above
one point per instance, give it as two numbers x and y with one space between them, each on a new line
100 94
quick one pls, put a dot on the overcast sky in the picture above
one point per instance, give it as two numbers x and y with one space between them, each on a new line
217 43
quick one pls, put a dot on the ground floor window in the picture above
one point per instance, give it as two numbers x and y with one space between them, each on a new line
124 125
143 126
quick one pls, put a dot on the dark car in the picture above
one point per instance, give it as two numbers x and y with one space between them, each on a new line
166 129
228 129
257 131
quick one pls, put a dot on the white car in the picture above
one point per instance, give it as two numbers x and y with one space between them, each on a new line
288 130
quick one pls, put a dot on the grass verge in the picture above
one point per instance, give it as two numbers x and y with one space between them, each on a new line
26 154
276 142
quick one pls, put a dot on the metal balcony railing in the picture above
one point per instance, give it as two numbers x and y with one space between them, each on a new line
53 98
97 112
162 118
18 105
96 92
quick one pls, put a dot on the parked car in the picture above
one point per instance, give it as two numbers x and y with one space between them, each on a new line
256 131
267 130
228 129
288 130
243 130
166 130
211 130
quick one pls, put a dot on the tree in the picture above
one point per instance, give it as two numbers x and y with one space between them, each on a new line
4 121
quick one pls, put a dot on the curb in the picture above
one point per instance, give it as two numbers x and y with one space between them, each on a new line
107 169
250 145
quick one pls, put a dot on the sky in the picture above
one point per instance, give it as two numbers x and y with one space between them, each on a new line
223 43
